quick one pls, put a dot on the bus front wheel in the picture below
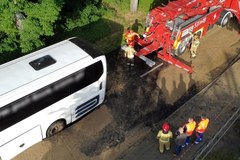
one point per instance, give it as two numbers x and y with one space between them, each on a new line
55 127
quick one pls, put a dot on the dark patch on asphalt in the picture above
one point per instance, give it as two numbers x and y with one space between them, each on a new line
109 137
133 101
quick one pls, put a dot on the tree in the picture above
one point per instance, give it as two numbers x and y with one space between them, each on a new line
25 23
81 14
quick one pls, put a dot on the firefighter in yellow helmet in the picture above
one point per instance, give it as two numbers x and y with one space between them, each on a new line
201 128
164 136
189 127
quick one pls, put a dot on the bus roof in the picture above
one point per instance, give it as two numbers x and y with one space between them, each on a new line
19 72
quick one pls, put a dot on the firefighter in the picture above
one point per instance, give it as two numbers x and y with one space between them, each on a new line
130 36
189 128
201 128
164 136
129 54
194 45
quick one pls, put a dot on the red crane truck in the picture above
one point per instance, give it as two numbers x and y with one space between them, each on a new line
170 28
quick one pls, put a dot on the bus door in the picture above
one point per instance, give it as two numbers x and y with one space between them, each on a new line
20 143
92 90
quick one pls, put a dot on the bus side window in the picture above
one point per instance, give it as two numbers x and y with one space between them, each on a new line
14 112
42 98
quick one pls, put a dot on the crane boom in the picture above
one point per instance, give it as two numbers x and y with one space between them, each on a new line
170 28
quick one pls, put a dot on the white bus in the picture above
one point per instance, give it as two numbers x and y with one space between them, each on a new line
42 92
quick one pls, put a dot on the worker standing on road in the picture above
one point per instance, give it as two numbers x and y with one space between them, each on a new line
194 45
189 128
130 36
164 136
201 128
179 140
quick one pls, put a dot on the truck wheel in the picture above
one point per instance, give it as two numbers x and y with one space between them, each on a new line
181 49
55 127
224 18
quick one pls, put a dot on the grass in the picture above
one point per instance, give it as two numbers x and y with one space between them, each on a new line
100 27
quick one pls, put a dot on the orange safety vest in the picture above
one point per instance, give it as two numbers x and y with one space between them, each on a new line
202 126
190 128
130 36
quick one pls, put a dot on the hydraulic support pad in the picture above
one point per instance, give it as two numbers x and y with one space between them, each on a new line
148 61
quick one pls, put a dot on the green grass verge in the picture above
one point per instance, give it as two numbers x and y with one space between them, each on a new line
93 32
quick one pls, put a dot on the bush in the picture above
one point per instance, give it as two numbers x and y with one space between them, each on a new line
24 24
90 13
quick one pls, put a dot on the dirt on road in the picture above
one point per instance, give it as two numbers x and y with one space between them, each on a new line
135 106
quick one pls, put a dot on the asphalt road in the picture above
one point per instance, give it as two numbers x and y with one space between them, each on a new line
219 101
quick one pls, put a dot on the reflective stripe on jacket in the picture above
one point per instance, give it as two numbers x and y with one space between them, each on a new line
202 125
190 127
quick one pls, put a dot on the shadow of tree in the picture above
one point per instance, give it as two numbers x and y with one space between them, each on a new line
6 57
104 35
157 3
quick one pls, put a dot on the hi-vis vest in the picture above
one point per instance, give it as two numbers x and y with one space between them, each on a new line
202 126
190 128
130 36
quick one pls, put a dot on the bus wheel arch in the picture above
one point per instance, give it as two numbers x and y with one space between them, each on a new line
56 127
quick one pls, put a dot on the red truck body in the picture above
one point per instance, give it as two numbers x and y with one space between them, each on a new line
170 28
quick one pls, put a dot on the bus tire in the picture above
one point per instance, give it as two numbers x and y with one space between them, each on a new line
56 127
224 18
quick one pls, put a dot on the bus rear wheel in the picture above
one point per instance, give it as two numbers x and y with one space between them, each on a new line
56 127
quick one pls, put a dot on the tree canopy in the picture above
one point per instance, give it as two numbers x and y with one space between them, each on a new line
24 23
